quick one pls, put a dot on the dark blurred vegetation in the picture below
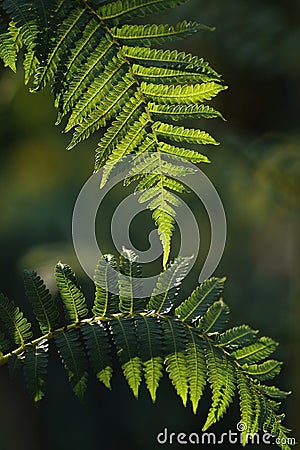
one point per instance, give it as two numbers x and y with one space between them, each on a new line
257 173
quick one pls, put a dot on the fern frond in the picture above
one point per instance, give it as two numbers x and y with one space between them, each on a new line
167 287
71 294
30 64
222 381
254 353
183 153
33 19
9 45
155 34
238 337
14 321
185 342
106 283
72 24
175 360
265 371
124 335
118 130
73 358
100 82
99 351
149 334
196 368
35 361
155 74
125 9
200 300
178 94
42 303
170 59
215 318
178 112
180 134
130 287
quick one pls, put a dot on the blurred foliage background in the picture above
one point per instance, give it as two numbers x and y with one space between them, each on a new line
256 171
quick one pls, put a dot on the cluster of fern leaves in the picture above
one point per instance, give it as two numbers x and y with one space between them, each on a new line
186 339
108 75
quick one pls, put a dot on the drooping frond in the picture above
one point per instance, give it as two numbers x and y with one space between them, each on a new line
222 381
149 334
99 351
35 361
124 336
107 78
175 360
73 358
187 342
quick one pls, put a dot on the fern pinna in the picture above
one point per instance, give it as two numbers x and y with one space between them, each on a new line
108 75
186 339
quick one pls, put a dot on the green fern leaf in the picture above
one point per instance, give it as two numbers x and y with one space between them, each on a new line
125 9
9 45
72 355
155 34
188 155
115 101
196 368
175 359
155 74
237 337
15 323
133 138
74 59
97 91
119 128
200 300
35 360
124 335
149 336
246 403
44 308
33 20
178 112
274 392
72 23
188 94
86 75
170 59
251 354
73 299
106 302
168 283
99 351
181 134
130 286
215 318
265 371
222 381
30 64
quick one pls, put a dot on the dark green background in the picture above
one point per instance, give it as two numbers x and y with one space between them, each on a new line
256 171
